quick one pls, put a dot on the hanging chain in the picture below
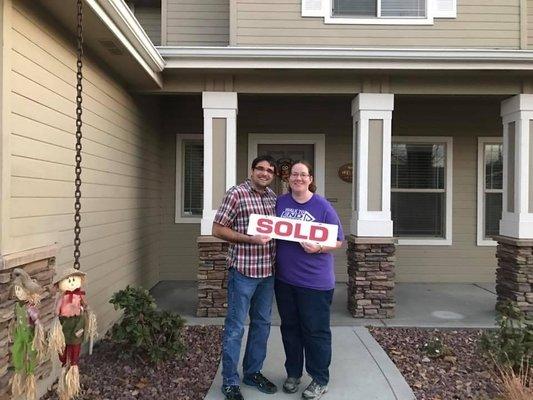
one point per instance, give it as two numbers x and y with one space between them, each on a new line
77 193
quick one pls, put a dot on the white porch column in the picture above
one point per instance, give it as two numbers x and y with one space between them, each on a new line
517 209
372 118
220 151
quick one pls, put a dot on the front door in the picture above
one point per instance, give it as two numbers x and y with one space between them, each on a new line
286 155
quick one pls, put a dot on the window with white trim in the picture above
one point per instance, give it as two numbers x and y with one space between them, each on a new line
490 189
379 8
189 178
421 190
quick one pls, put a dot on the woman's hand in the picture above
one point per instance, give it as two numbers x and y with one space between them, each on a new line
311 247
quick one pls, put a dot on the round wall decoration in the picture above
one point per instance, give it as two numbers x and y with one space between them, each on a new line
346 172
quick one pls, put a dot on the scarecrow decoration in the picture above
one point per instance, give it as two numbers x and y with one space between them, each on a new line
74 323
27 334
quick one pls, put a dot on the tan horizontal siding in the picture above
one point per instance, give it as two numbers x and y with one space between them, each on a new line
150 20
197 23
529 21
121 174
491 23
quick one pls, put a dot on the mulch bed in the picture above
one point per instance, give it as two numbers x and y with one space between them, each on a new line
464 374
106 376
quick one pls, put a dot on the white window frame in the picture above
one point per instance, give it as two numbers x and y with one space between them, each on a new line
179 218
319 140
448 189
432 12
482 141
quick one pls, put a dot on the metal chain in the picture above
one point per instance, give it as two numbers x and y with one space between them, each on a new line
77 192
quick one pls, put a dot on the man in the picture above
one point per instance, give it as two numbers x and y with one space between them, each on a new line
250 278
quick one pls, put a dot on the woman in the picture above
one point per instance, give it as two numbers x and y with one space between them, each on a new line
304 286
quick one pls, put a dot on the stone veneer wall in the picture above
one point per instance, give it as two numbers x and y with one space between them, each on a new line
371 275
40 265
514 275
212 277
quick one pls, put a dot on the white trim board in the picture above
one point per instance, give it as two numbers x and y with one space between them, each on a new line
178 218
319 140
480 222
448 141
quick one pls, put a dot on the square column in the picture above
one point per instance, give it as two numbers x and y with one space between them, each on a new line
517 210
372 119
371 247
514 275
220 151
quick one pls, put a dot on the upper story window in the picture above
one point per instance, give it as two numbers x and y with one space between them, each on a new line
379 8
376 12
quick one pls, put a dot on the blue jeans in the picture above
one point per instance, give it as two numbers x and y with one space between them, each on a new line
253 296
305 330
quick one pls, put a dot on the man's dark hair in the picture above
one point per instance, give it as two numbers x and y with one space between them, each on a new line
266 158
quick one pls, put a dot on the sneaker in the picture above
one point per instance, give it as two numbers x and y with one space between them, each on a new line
232 392
261 383
314 391
291 385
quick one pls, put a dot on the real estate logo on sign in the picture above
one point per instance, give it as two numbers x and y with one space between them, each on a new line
293 230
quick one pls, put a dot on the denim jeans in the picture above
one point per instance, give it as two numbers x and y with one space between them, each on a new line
305 330
253 296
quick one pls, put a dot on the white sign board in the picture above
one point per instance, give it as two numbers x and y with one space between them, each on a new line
293 230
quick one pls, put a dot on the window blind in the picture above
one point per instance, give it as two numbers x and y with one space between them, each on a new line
403 8
193 182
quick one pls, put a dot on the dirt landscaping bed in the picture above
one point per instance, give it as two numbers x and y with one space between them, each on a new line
464 374
106 376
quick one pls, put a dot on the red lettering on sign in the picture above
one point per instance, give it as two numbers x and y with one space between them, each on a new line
318 233
278 228
264 225
297 233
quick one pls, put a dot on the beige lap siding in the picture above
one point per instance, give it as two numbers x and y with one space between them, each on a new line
121 173
197 23
479 23
529 23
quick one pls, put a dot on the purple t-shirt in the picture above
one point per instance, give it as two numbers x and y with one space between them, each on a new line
293 265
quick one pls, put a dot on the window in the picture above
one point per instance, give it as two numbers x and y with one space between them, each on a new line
379 12
421 190
189 178
379 8
490 189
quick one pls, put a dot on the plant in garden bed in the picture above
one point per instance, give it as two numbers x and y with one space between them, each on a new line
511 348
144 331
435 348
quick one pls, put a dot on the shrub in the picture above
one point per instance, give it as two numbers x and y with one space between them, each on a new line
144 331
435 348
511 345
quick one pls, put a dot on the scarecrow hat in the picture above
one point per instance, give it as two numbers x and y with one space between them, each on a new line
22 279
69 272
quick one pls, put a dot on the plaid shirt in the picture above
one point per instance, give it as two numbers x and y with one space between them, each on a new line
253 260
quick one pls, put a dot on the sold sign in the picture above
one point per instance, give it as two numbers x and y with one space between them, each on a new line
293 230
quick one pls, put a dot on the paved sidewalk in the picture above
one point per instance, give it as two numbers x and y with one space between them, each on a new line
360 369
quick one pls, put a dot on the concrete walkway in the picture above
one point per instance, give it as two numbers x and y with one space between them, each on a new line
360 368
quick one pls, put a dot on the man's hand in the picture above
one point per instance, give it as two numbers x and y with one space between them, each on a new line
260 239
310 247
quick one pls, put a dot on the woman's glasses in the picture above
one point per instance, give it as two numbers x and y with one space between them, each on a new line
299 174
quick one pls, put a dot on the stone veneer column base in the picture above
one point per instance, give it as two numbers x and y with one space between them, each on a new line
514 275
40 265
371 275
212 277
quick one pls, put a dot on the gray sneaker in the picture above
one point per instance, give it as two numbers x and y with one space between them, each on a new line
291 385
314 391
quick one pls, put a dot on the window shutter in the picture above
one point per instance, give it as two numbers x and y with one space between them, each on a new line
445 9
313 8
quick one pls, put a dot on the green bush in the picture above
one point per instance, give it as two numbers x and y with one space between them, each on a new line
435 348
511 345
144 331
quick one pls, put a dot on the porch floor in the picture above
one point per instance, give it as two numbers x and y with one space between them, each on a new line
439 305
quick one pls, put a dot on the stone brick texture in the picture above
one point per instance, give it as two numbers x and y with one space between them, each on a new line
42 271
514 275
371 279
212 279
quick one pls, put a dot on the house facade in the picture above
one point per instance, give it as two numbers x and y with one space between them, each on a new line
415 114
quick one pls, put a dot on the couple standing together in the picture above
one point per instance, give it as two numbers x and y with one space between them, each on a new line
300 274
